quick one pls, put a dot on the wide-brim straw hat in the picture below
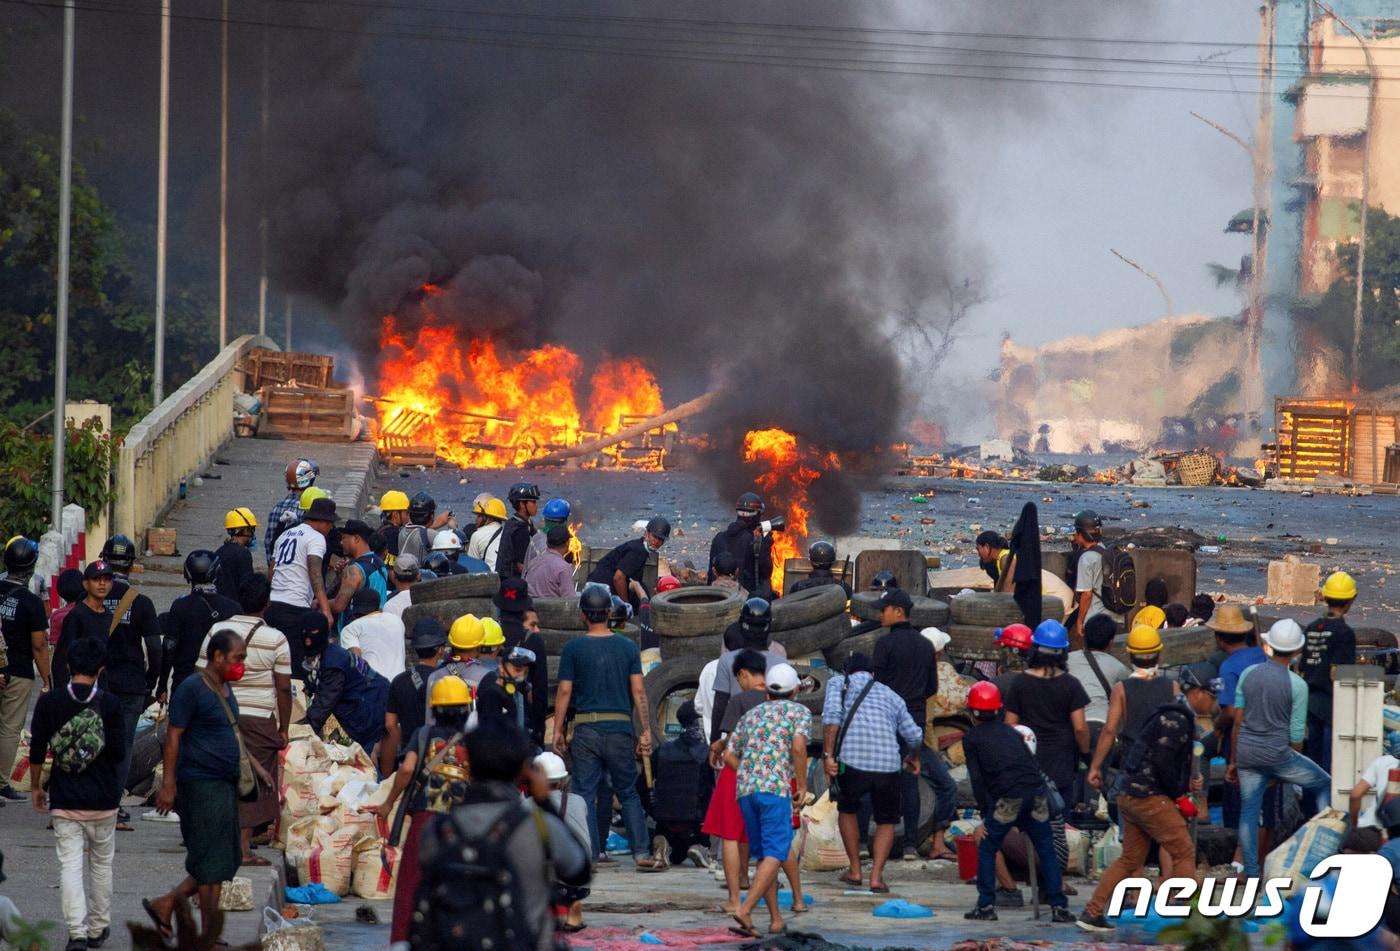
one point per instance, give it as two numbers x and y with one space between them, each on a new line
1230 619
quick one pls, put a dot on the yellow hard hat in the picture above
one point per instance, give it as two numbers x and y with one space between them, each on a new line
1150 616
311 495
479 503
494 508
466 633
393 501
450 691
492 635
240 518
1339 586
1144 640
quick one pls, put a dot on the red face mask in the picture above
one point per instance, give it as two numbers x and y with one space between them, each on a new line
234 672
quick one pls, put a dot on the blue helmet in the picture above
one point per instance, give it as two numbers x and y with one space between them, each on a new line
1051 634
557 510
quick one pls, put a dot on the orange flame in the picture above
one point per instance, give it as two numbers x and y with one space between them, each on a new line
789 470
478 404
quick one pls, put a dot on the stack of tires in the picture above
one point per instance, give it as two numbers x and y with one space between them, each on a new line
865 605
447 599
976 616
561 622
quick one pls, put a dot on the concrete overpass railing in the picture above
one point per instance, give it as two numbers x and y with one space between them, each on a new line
178 438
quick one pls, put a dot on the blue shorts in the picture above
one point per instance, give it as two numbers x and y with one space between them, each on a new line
768 821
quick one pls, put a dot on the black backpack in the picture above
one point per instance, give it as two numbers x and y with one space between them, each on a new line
1119 591
469 897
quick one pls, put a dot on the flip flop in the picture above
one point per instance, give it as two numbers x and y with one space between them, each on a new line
125 827
571 929
161 926
854 883
794 910
880 889
743 930
255 861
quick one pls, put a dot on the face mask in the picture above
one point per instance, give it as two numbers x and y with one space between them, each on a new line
234 672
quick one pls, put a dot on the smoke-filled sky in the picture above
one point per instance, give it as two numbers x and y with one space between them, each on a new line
753 225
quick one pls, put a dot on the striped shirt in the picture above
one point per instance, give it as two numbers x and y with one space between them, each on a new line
268 654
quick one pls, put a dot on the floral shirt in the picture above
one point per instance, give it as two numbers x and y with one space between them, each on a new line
763 743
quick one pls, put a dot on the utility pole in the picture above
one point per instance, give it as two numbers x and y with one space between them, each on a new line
1374 93
262 218
223 180
65 207
162 208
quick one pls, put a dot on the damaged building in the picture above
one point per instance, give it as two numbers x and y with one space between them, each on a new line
1115 391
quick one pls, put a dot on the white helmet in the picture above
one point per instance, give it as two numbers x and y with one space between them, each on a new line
447 540
1285 636
1028 735
552 766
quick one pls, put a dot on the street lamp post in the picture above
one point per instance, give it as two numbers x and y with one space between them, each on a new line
162 208
65 206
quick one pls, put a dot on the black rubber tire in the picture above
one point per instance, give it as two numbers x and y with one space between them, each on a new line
814 638
680 673
555 640
815 698
807 608
997 609
970 642
695 612
446 611
1181 645
559 614
708 647
837 654
454 587
927 612
146 754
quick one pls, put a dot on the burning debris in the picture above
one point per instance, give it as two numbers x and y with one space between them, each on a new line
788 470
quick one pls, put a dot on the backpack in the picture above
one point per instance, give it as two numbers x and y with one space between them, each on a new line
469 897
1136 757
1119 591
77 744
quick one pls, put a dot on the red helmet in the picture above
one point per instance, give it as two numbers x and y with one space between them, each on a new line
1016 636
984 696
667 583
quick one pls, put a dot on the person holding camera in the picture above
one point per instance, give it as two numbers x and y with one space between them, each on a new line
749 539
866 727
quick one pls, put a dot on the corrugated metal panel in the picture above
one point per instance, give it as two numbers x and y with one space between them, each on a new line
1337 109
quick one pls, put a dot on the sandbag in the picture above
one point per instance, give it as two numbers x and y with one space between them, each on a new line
1318 838
370 879
304 761
1078 851
329 860
951 698
236 895
823 850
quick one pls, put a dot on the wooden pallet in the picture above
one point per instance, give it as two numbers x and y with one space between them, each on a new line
305 412
275 367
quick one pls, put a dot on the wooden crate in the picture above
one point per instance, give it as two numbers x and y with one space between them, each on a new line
1314 436
305 412
264 367
1372 430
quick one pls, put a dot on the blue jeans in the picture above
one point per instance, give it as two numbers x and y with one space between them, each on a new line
132 704
945 791
594 752
1042 838
1296 769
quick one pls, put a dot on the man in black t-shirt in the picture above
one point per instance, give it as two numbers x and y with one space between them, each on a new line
235 557
514 548
25 627
408 692
622 567
504 693
1329 642
520 626
189 621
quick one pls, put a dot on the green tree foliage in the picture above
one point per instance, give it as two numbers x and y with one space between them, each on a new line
26 467
1332 316
111 315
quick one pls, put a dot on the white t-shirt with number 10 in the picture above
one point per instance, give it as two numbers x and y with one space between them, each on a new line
291 581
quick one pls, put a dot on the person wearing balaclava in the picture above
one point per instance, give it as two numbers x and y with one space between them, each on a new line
341 685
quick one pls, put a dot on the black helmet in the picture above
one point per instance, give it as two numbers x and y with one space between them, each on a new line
659 527
421 508
523 492
120 553
1088 523
749 505
20 555
438 564
200 566
883 580
822 555
619 613
756 617
595 603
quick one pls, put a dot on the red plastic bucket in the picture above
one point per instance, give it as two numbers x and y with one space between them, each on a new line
967 858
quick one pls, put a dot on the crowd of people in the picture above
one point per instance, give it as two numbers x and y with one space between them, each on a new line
459 716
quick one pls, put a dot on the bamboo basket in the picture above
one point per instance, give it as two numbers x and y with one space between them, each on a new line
1197 468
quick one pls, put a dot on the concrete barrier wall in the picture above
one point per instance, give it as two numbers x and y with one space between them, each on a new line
178 438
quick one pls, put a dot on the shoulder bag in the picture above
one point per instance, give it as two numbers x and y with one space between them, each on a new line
247 781
834 785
